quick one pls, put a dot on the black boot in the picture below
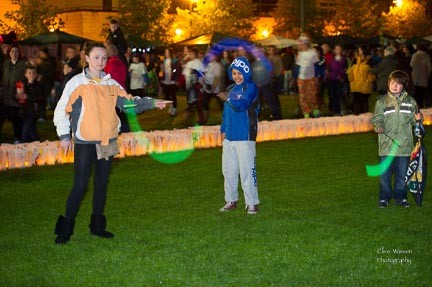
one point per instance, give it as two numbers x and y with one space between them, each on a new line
63 229
98 225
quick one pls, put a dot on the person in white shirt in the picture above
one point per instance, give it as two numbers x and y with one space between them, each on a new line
307 85
138 76
193 71
212 83
169 75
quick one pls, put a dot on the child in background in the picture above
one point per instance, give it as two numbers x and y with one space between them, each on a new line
169 75
29 97
152 89
395 115
361 80
70 69
239 130
138 76
87 107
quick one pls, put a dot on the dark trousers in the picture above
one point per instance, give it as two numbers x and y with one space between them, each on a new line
206 100
2 117
29 130
422 97
272 100
360 103
84 159
46 88
196 98
399 168
335 89
137 92
124 123
170 93
13 114
276 88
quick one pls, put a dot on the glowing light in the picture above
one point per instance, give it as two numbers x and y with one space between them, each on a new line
52 29
178 32
171 146
398 3
265 33
173 157
382 167
165 154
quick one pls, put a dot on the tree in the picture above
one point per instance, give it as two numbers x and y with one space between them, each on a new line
408 19
225 16
144 18
32 18
361 21
288 18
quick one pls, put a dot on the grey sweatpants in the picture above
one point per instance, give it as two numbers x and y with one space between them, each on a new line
238 157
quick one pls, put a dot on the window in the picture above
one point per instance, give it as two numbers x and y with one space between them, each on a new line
107 5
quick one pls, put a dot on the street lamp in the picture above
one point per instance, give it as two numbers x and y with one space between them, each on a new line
398 3
178 32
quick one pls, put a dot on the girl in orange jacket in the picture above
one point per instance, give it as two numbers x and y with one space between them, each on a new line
87 107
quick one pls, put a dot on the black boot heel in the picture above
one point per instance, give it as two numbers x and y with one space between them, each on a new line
98 226
63 229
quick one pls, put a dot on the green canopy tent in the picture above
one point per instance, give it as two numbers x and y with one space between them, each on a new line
380 40
56 37
417 41
428 38
344 40
278 41
137 41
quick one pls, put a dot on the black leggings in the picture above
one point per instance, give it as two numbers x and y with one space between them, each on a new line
2 117
13 114
422 97
84 159
206 100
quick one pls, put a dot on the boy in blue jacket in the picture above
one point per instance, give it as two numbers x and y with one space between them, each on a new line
239 130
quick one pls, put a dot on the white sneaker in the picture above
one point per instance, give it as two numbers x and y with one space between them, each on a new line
172 111
252 209
228 206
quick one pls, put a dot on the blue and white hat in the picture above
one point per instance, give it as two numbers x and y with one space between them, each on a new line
242 65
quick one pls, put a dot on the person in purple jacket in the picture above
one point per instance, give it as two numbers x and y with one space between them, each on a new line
336 75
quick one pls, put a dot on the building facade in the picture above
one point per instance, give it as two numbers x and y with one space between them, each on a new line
88 18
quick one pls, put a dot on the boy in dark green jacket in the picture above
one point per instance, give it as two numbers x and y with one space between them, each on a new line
395 115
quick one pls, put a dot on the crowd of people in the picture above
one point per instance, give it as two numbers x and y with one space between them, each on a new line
348 76
103 82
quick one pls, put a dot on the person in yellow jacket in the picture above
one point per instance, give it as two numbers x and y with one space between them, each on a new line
361 78
87 107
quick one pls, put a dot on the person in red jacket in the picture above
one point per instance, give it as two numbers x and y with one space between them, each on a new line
118 71
115 66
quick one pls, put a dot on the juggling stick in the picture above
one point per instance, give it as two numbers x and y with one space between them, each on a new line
166 157
379 169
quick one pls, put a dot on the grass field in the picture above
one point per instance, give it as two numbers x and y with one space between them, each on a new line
318 225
